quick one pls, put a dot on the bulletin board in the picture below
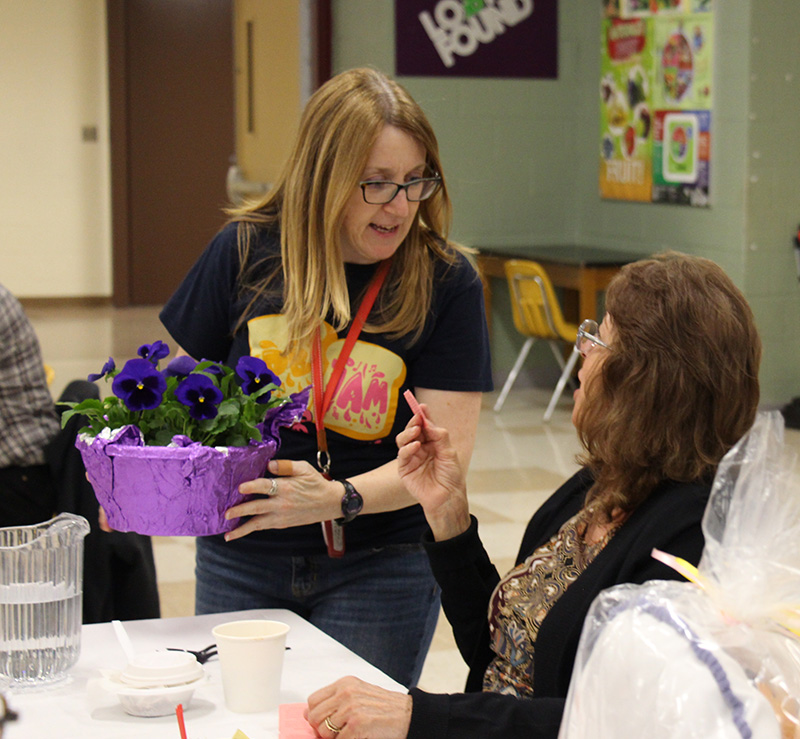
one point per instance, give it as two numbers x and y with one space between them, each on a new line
656 95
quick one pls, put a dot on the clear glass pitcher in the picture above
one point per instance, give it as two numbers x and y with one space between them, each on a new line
41 589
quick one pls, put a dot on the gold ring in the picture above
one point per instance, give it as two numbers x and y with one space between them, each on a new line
330 726
273 488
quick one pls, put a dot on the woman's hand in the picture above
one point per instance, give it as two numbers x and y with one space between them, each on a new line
430 469
358 710
298 495
102 520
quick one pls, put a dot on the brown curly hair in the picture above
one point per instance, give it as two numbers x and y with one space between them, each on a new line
679 385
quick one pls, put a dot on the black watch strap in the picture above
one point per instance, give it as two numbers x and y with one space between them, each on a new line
352 503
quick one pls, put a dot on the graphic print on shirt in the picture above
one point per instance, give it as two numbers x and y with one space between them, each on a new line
365 403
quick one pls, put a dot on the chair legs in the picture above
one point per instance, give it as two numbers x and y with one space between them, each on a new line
512 376
562 381
566 375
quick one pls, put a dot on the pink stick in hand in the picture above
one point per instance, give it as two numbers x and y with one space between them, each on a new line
415 408
412 403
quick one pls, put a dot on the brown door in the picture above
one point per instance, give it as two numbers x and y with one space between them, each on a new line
172 136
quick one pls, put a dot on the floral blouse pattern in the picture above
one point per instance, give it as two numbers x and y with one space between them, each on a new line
524 597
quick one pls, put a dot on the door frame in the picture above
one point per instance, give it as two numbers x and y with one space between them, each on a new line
121 258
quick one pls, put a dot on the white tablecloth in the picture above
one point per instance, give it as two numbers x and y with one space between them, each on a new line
80 709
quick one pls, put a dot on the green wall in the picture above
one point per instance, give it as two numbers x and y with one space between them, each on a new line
521 158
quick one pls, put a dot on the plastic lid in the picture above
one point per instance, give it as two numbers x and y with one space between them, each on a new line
155 669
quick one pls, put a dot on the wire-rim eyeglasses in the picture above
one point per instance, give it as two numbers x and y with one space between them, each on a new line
588 331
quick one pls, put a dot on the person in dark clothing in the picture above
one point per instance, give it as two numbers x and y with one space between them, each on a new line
27 420
342 278
669 383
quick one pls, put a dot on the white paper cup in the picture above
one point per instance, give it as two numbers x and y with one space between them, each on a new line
251 658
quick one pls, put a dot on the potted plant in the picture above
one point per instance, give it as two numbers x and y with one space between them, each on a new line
167 450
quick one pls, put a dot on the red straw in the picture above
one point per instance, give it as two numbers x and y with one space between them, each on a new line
181 724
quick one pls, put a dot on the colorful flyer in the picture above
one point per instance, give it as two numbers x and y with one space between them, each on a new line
681 157
647 8
655 101
625 111
682 50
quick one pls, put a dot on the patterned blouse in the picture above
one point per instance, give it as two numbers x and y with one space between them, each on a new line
523 598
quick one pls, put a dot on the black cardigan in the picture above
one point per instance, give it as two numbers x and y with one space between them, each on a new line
668 520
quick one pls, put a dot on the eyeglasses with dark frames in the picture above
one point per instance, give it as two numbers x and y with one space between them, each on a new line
587 332
381 192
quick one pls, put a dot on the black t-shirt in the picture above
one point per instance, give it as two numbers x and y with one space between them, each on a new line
368 410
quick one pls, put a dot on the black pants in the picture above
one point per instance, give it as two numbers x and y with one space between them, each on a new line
27 495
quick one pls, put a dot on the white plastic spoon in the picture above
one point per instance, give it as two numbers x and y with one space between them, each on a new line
124 640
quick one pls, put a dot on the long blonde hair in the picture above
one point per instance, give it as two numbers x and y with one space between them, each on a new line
338 128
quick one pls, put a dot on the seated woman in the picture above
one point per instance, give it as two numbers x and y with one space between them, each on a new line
669 383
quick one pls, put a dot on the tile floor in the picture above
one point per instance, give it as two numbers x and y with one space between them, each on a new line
518 460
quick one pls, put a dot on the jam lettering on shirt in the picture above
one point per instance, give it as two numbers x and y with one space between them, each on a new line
365 405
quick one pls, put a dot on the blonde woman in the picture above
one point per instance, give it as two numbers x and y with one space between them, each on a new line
363 192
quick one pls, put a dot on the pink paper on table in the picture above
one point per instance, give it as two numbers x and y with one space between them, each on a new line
292 724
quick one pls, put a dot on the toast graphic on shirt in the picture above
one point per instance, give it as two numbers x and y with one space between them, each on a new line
366 400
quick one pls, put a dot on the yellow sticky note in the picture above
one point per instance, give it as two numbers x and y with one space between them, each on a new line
240 735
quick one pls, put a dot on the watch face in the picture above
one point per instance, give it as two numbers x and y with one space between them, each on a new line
353 504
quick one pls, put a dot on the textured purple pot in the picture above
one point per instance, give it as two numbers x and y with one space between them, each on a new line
181 490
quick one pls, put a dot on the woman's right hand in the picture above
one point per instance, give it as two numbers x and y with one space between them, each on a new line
430 469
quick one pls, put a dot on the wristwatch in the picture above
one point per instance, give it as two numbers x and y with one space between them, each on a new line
352 503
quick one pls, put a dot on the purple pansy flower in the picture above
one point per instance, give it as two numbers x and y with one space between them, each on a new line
287 414
180 366
254 375
153 352
109 366
201 395
140 385
213 369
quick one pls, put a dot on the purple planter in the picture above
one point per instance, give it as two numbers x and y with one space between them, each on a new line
181 490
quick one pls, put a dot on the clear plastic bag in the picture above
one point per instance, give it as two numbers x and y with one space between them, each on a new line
717 657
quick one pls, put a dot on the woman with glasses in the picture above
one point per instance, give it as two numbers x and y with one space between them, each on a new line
669 383
362 197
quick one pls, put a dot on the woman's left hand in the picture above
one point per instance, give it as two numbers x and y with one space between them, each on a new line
298 495
358 710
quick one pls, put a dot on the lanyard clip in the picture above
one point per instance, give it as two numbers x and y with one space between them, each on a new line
324 462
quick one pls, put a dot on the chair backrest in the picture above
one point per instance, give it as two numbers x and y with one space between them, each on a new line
534 305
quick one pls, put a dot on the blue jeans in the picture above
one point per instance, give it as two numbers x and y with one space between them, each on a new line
382 604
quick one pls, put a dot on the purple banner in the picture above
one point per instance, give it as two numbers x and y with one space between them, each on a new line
477 38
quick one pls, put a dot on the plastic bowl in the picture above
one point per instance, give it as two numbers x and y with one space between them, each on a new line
154 683
152 702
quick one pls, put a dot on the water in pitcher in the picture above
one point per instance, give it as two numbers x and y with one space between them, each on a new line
41 589
40 628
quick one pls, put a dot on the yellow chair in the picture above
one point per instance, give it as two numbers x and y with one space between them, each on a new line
537 315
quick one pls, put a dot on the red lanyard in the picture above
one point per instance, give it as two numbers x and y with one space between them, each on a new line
334 535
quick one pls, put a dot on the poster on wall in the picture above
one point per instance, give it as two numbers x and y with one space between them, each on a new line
476 38
656 101
625 111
